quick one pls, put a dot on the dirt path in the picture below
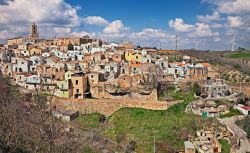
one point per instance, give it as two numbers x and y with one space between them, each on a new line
238 133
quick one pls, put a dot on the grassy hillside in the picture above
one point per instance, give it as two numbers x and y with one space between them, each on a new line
225 146
170 127
141 126
238 55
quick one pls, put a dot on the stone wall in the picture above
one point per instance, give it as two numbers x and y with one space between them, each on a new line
107 106
98 92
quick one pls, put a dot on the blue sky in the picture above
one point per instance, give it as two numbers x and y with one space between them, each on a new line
141 13
210 24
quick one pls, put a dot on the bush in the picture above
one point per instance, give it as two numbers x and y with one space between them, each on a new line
233 112
245 125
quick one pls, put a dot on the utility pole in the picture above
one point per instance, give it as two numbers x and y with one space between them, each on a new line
154 143
240 84
176 42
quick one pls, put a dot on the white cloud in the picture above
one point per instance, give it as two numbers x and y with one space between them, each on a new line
115 27
216 25
52 17
234 6
95 20
5 34
149 33
27 11
207 18
179 25
235 21
202 30
62 30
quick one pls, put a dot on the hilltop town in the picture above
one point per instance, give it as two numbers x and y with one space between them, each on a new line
86 67
84 75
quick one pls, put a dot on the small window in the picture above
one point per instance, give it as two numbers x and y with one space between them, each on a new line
77 90
76 82
102 67
92 76
134 69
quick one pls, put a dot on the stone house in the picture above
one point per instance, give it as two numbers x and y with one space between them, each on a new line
15 41
97 57
51 72
215 88
36 60
20 79
48 85
24 53
21 64
65 115
24 46
125 68
65 86
116 57
197 72
113 69
33 82
125 81
212 74
189 147
75 55
175 70
18 53
3 56
162 63
206 142
133 56
36 51
79 85
76 41
93 78
146 59
7 69
136 68
66 48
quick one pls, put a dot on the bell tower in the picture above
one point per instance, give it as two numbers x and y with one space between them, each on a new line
33 32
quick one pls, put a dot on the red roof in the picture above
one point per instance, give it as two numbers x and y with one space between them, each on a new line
245 107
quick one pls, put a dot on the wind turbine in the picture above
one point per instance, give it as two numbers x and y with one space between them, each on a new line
196 45
234 43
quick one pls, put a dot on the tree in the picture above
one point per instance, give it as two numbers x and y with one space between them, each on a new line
30 127
131 147
197 89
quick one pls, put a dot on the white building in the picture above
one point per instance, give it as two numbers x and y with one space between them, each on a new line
243 109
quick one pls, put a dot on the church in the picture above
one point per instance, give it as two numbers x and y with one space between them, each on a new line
33 36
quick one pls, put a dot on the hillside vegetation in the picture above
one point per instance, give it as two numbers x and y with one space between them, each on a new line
238 55
139 127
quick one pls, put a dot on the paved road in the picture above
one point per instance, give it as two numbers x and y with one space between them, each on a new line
238 133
